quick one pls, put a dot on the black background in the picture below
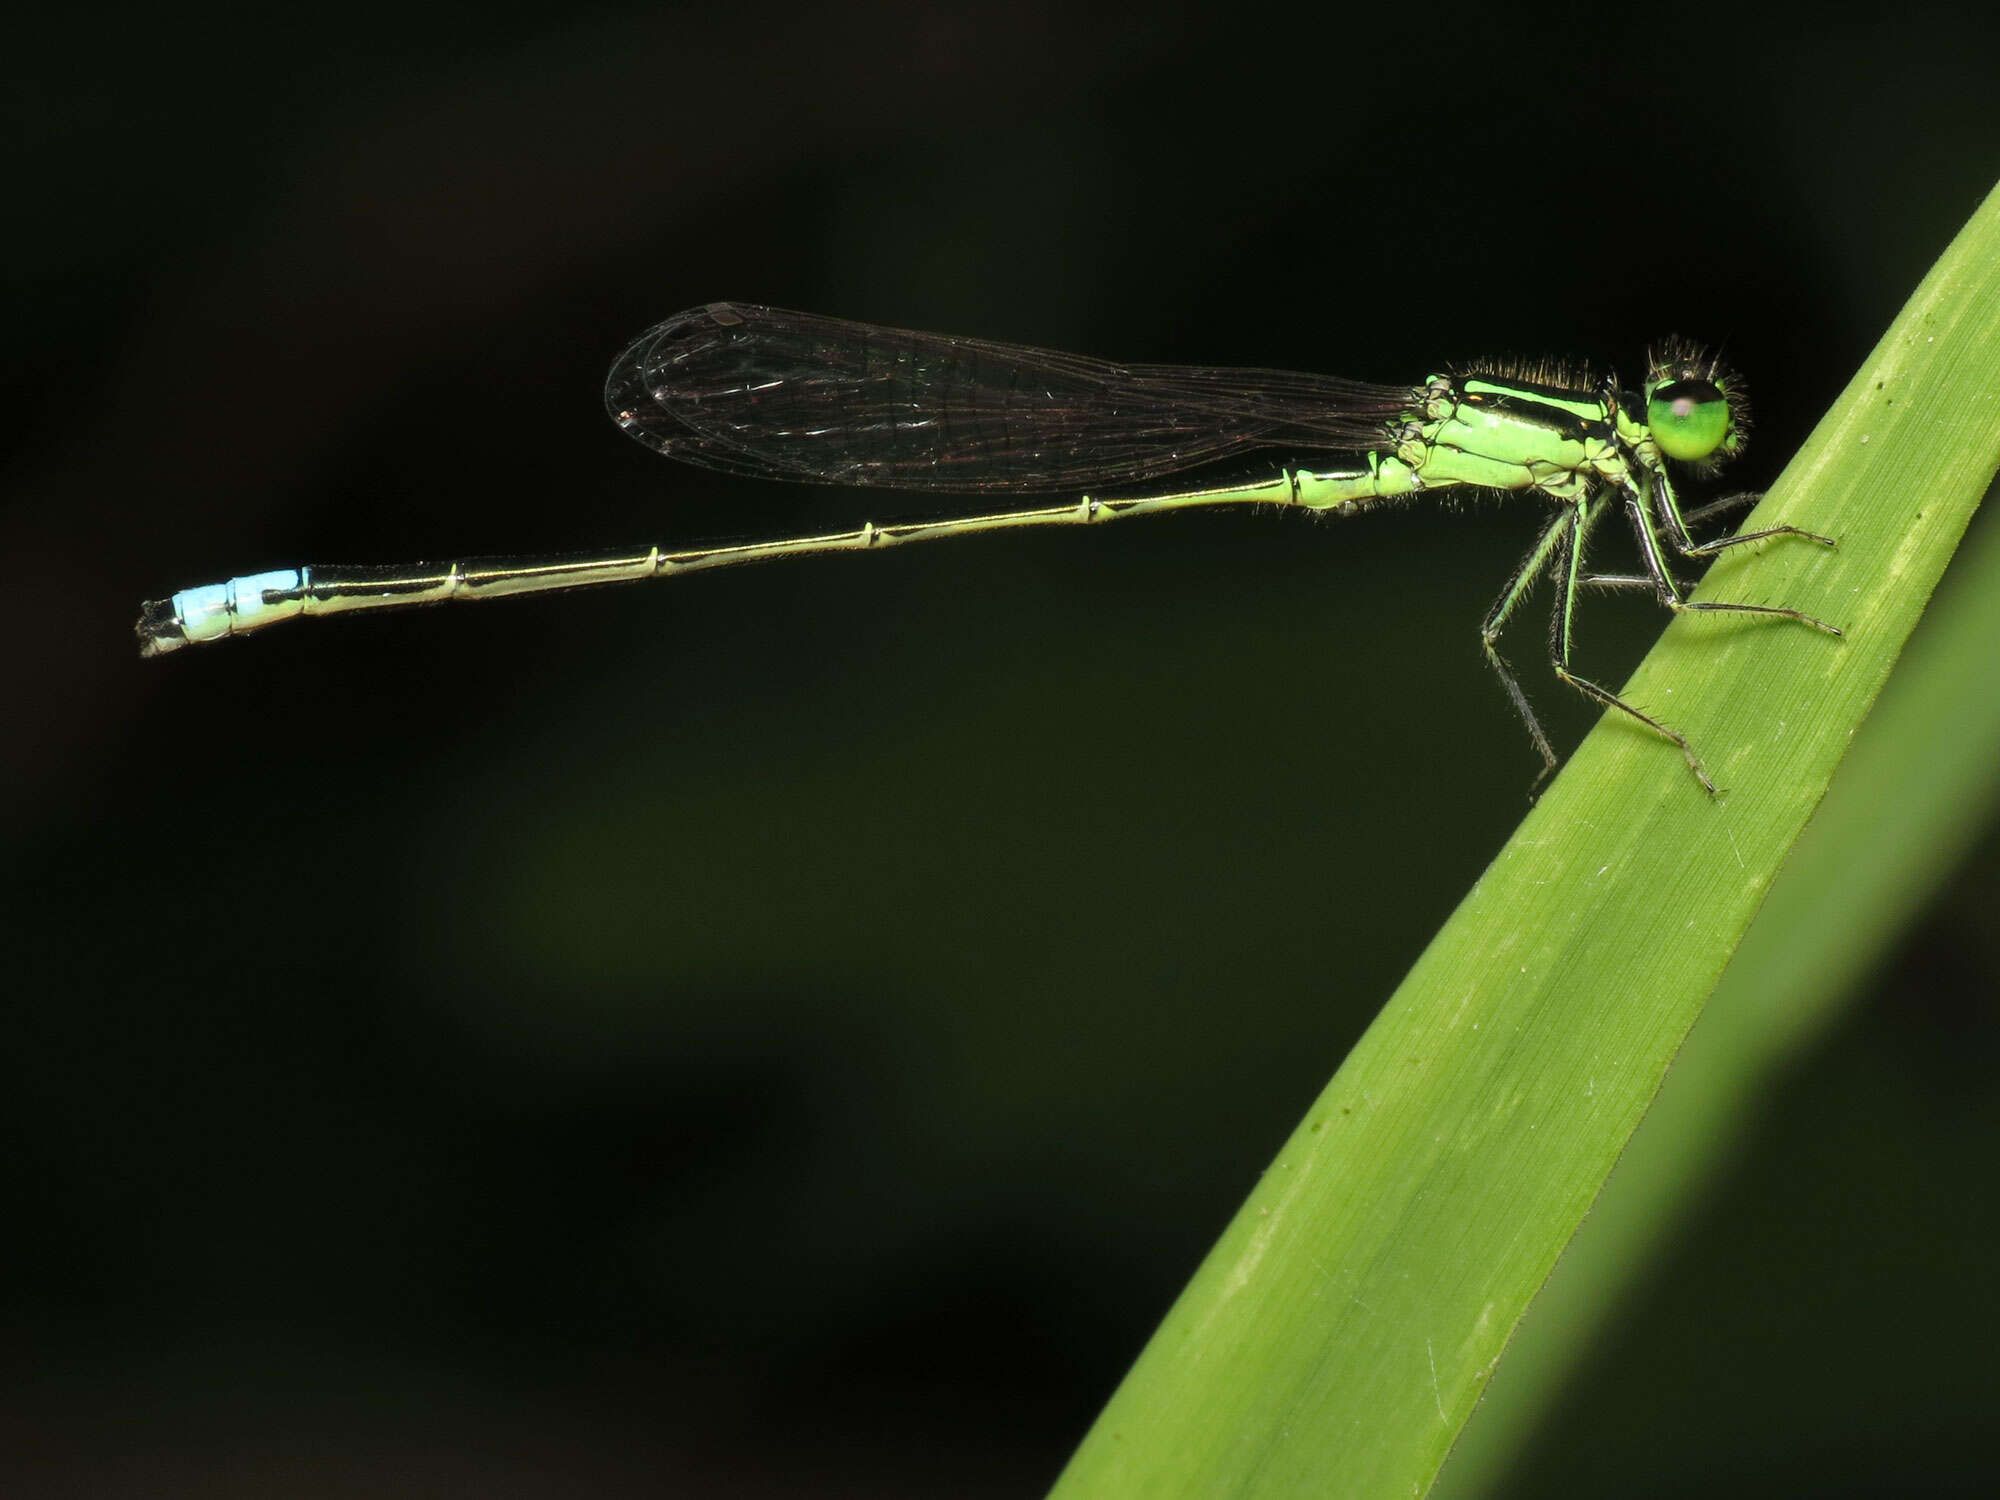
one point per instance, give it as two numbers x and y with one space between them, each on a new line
794 1030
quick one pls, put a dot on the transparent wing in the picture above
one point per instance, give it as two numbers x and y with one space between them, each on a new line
788 395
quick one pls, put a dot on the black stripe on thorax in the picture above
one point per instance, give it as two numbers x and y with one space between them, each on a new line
1519 404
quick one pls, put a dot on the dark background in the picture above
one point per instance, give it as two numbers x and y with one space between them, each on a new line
794 1030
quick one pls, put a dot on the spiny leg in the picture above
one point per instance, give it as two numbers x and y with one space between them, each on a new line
1619 581
1561 635
1557 550
1669 592
1693 518
1689 520
1548 545
1677 524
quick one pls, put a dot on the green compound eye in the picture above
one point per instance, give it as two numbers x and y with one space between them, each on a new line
1690 418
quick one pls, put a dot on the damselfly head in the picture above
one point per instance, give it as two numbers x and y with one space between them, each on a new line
1695 405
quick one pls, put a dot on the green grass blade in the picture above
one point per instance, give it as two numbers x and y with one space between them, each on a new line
1338 1336
1921 785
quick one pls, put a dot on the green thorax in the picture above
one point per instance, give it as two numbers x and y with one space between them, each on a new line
1516 433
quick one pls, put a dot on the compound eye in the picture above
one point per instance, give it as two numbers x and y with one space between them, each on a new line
1690 418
